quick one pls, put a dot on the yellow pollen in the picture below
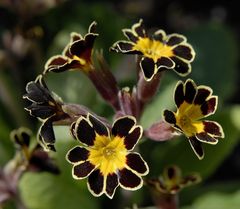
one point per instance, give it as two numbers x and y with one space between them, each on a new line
108 154
153 49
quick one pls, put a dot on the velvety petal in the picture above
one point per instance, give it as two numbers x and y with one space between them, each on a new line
84 131
148 67
202 94
77 154
185 52
175 39
165 62
172 173
123 125
54 62
130 35
40 111
82 170
213 128
190 91
206 138
80 48
132 138
181 67
136 163
179 94
139 29
210 106
72 130
169 117
197 147
98 126
125 47
46 134
75 36
128 180
96 183
92 28
112 183
159 35
37 93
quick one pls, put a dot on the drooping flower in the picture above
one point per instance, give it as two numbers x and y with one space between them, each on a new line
47 107
106 157
76 55
193 104
158 52
172 181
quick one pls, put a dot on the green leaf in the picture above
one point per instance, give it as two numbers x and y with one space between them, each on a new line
216 62
216 200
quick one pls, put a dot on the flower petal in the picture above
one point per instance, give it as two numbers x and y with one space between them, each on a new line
92 27
190 91
159 35
96 183
82 170
77 155
123 125
209 107
185 52
169 117
129 180
46 135
179 94
54 62
112 183
197 147
124 47
175 39
206 138
137 164
130 35
84 131
40 111
148 67
202 94
181 67
139 29
172 173
75 37
165 62
98 126
131 139
213 128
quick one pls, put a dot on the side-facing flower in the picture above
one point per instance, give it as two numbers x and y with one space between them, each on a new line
76 55
172 181
47 107
105 156
158 52
194 103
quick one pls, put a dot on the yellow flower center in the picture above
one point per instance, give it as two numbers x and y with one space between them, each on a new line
187 119
109 154
153 49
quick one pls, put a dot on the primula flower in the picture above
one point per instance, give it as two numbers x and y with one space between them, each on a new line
76 55
105 157
194 103
172 181
158 52
47 107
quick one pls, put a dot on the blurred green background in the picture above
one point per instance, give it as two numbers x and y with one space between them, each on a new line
31 31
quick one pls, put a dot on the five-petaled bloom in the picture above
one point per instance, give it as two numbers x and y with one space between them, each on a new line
159 52
172 181
47 107
76 55
105 157
194 103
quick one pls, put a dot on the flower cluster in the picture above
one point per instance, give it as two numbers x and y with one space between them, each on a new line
107 155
